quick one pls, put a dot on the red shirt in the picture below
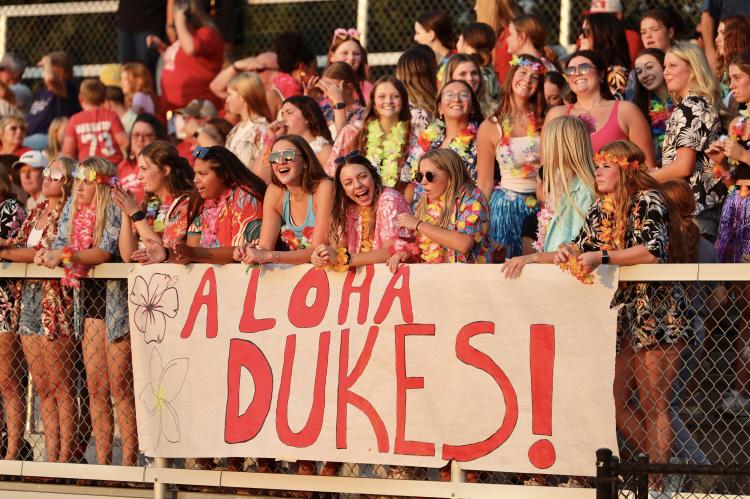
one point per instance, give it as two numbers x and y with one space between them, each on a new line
502 57
185 148
127 172
94 131
634 44
186 77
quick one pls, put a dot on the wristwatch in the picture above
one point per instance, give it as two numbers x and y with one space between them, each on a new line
605 257
339 105
138 216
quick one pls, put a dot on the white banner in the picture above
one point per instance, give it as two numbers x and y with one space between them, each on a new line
435 362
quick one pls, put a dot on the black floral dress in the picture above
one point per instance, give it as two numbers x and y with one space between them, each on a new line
653 313
695 124
11 218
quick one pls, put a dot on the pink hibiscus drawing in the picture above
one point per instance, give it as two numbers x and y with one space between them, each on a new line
158 396
154 301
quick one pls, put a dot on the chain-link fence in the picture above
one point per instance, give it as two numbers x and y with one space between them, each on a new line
87 29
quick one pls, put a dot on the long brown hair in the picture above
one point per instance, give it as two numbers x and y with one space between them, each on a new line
342 204
417 70
312 173
736 40
162 154
680 194
403 116
633 181
534 29
536 102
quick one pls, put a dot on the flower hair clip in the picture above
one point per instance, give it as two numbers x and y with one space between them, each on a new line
343 33
537 67
613 159
90 175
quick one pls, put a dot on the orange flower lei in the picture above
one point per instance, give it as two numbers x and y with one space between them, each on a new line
574 268
365 241
613 159
606 230
430 251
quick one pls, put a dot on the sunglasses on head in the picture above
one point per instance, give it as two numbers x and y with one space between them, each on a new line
352 155
201 152
284 156
54 175
581 69
429 176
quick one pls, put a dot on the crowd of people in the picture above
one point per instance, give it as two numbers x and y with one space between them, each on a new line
487 147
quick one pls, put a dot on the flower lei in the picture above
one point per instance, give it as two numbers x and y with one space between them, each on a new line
658 113
82 237
613 159
385 151
736 131
91 175
743 191
606 228
528 168
434 135
544 218
430 251
365 241
156 214
572 267
528 63
293 242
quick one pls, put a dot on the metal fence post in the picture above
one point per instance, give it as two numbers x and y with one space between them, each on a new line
642 478
160 488
457 474
3 32
564 38
362 6
604 476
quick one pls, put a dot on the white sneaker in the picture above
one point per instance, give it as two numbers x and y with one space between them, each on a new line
735 402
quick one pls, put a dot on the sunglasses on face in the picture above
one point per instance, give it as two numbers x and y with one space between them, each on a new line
429 176
201 152
54 175
352 155
282 156
581 69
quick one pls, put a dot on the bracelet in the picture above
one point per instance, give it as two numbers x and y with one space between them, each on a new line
416 228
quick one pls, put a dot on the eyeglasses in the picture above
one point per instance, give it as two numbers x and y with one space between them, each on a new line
284 156
429 176
54 175
581 69
201 152
456 95
352 155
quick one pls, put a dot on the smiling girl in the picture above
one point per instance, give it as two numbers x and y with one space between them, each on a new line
651 94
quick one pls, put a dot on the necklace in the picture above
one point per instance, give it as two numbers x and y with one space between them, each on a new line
529 166
385 151
463 144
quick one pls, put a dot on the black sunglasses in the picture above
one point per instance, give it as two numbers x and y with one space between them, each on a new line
287 155
352 155
430 176
201 152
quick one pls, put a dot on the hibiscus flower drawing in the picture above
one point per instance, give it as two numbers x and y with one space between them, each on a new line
154 302
159 394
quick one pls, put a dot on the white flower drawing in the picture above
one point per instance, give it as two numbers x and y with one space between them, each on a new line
154 302
158 395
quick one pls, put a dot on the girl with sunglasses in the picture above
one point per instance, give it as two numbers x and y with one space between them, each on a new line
167 180
455 128
633 222
12 367
87 235
452 218
608 119
44 326
363 221
300 190
511 136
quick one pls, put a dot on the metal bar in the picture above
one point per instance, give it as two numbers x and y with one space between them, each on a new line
160 487
59 9
3 32
362 21
564 39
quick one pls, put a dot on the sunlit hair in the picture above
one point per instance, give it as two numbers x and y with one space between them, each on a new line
567 154
702 80
163 154
316 122
736 40
537 103
439 22
93 91
102 198
459 183
641 95
53 144
534 29
67 165
497 13
312 171
481 37
681 196
631 181
250 87
141 81
344 72
482 94
475 113
417 70
342 203
361 71
403 116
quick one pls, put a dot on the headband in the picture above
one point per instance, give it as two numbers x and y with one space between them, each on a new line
613 159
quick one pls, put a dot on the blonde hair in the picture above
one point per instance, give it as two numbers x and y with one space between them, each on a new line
459 182
141 80
567 153
251 89
53 147
704 81
67 165
102 198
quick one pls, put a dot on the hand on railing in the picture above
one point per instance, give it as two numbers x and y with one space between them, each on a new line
153 251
